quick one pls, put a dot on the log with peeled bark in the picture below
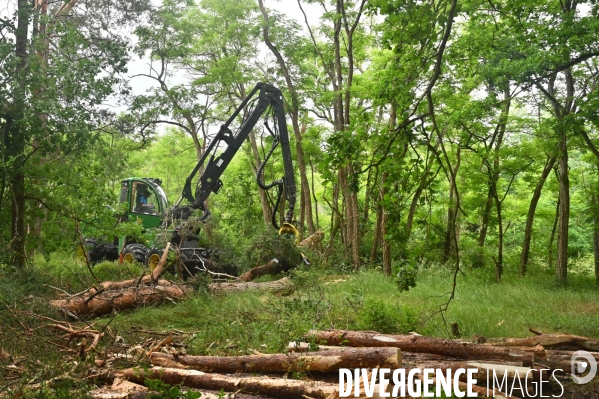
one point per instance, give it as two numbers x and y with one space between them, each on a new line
275 387
103 301
421 344
322 361
282 286
552 340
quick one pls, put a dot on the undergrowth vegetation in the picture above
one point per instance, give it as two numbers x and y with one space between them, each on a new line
245 322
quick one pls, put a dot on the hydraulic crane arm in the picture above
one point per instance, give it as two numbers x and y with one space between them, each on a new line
229 143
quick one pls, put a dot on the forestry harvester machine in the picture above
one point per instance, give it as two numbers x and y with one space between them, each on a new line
147 203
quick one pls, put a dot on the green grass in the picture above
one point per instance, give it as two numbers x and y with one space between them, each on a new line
241 323
369 301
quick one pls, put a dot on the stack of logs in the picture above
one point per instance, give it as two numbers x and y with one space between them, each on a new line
319 365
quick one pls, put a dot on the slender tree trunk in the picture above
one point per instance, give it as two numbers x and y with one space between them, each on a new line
564 211
484 227
552 237
314 195
531 213
16 142
499 260
385 227
452 213
595 205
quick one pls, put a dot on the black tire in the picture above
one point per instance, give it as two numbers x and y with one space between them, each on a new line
94 250
135 253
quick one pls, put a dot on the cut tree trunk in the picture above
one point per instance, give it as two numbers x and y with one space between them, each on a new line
275 266
322 361
552 340
312 241
420 344
104 301
282 286
275 387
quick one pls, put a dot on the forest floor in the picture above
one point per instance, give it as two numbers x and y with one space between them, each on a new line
245 322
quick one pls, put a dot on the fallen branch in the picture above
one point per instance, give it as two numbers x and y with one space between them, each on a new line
324 361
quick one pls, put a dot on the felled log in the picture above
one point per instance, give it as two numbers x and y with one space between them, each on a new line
563 359
306 347
552 340
275 387
421 344
312 241
275 266
322 361
282 286
104 301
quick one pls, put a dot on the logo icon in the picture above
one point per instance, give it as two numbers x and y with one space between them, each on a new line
584 367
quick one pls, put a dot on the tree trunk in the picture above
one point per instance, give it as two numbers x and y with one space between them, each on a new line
595 204
531 213
305 199
100 302
552 237
283 287
452 215
275 387
419 344
321 361
564 211
484 227
385 244
16 142
273 267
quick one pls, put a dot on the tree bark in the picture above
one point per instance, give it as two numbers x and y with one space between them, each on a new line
531 213
552 340
283 287
564 211
452 214
275 266
275 387
420 344
322 361
385 244
100 302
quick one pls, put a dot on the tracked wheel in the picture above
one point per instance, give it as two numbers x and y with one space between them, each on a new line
135 253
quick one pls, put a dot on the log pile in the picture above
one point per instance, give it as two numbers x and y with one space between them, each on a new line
524 360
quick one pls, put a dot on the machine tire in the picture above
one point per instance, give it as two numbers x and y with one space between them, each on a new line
135 253
94 250
153 258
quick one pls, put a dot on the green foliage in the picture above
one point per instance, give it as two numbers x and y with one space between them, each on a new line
379 315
